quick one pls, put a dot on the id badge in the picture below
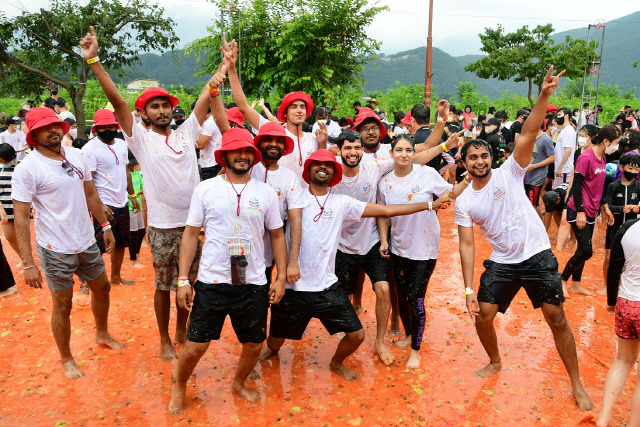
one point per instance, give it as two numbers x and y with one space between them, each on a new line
238 253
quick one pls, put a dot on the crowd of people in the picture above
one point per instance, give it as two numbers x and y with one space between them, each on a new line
267 218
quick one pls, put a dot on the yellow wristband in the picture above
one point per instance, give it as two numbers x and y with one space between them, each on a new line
468 291
93 60
444 147
133 196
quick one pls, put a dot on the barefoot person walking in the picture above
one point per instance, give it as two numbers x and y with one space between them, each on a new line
58 183
521 255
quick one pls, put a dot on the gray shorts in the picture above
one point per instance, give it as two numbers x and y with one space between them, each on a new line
136 221
165 248
59 268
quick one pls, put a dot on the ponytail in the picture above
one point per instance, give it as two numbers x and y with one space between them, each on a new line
610 132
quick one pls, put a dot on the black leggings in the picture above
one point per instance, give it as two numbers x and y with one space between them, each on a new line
135 243
6 276
584 251
412 278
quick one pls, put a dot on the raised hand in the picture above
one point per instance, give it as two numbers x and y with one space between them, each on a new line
218 78
454 140
321 133
443 109
89 44
550 82
230 52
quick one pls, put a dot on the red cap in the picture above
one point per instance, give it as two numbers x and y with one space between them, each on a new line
274 129
235 116
235 139
551 108
370 115
291 97
154 92
406 119
104 117
40 117
323 156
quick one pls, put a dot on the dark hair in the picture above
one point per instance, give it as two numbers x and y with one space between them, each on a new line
266 104
7 152
193 105
357 104
590 130
458 112
510 147
70 121
629 160
469 107
627 107
475 143
501 115
343 122
634 138
491 110
398 116
306 127
421 113
405 137
566 111
78 143
609 132
321 111
350 135
586 104
482 118
575 111
60 102
232 105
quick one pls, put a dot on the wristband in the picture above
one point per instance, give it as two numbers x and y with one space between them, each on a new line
182 283
466 180
31 266
104 224
106 227
212 90
468 291
430 204
183 278
133 196
441 120
93 60
444 147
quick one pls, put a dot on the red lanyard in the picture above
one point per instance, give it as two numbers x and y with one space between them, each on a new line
299 149
240 193
317 217
75 169
166 141
114 153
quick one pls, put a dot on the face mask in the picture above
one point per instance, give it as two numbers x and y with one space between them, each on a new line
54 92
107 135
560 120
179 122
450 119
629 175
73 133
582 141
611 149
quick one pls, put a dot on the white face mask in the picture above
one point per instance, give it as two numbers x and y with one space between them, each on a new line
73 133
611 149
582 141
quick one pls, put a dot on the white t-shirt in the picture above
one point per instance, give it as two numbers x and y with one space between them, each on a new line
67 115
566 139
169 178
110 174
210 129
333 129
62 221
287 187
305 146
414 236
630 277
359 237
18 140
505 215
383 152
317 259
214 206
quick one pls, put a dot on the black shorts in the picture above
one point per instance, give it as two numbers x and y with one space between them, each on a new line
572 216
208 173
538 275
611 232
348 266
290 318
246 305
119 228
533 193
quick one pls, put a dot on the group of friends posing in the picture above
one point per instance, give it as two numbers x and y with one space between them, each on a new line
282 200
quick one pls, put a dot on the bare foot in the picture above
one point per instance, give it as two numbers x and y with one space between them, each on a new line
395 330
176 405
120 280
266 354
167 352
565 291
578 289
490 369
71 370
414 360
582 399
343 371
253 375
404 342
84 288
109 342
245 393
136 264
12 290
384 354
602 290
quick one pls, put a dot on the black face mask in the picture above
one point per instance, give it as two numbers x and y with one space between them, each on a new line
629 175
560 120
107 135
179 122
54 92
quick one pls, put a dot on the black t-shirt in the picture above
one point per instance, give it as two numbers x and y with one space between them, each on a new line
420 137
516 127
507 135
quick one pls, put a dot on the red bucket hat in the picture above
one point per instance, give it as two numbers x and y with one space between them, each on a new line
40 117
370 115
551 108
234 115
235 139
323 156
154 92
406 119
294 96
104 117
274 129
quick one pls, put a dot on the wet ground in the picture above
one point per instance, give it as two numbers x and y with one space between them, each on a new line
132 386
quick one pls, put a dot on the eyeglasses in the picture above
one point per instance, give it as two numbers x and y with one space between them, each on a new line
370 128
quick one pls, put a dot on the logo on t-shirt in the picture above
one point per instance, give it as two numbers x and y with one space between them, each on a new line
498 193
367 188
279 192
415 189
254 205
327 213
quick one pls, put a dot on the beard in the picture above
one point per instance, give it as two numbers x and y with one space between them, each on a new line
346 163
321 180
268 155
240 169
371 146
160 121
52 142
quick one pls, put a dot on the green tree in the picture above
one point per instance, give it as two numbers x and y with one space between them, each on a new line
525 55
316 46
43 46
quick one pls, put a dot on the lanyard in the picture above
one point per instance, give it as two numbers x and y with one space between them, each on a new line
114 153
317 217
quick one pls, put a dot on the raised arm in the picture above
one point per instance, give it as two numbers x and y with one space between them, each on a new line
89 46
267 112
436 134
425 156
230 52
524 146
217 109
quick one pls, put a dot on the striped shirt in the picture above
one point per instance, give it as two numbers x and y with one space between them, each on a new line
5 190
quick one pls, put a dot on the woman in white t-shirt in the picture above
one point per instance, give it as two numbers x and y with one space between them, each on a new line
414 238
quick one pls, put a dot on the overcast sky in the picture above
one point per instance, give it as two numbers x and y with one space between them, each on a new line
456 24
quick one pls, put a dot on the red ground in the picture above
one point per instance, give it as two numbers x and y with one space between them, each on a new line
132 386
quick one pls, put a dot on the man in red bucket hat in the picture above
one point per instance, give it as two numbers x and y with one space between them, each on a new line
107 158
57 181
294 110
317 293
168 160
235 211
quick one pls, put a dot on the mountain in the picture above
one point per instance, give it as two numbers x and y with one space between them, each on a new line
170 68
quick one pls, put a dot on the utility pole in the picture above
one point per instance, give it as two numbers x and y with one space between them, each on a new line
428 74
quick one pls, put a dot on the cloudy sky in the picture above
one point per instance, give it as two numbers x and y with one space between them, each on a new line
456 24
